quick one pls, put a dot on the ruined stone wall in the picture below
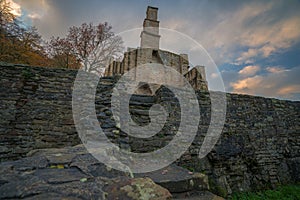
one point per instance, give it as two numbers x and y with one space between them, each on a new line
259 146
36 110
196 79
136 57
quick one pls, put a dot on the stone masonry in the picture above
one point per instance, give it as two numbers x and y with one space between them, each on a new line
149 52
259 146
150 34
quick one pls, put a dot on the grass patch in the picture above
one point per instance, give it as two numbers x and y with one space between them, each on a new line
289 192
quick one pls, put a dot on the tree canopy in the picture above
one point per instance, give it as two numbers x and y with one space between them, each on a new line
87 46
19 43
93 46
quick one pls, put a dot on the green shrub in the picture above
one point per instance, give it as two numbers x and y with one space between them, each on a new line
289 192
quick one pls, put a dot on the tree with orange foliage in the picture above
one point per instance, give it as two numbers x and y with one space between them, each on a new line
19 44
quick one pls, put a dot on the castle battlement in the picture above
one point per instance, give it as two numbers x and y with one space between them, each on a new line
149 52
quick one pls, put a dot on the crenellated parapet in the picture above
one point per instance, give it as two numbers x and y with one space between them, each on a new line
149 52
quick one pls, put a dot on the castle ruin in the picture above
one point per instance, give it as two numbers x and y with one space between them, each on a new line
149 52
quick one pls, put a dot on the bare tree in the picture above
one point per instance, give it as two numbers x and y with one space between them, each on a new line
60 51
93 46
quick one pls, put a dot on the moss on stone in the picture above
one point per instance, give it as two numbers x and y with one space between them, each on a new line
216 188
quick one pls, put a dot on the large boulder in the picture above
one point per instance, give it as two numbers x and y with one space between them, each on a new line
136 189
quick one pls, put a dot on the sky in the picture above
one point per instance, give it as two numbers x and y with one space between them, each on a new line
254 44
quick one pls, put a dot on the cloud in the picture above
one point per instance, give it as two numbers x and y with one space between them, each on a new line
15 8
245 56
46 15
176 24
276 70
228 34
34 8
289 90
214 75
277 83
247 31
249 70
222 27
280 34
266 39
34 16
240 32
245 85
252 53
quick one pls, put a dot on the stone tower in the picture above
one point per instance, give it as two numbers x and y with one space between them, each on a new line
149 52
150 34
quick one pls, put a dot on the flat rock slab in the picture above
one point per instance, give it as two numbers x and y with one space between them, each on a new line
66 173
177 179
71 173
57 176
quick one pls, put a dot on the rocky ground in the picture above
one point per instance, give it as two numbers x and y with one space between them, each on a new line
72 173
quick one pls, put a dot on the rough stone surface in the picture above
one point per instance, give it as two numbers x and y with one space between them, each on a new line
136 189
178 180
259 146
36 177
71 173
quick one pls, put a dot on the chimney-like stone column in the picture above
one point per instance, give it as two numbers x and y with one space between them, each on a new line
150 34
